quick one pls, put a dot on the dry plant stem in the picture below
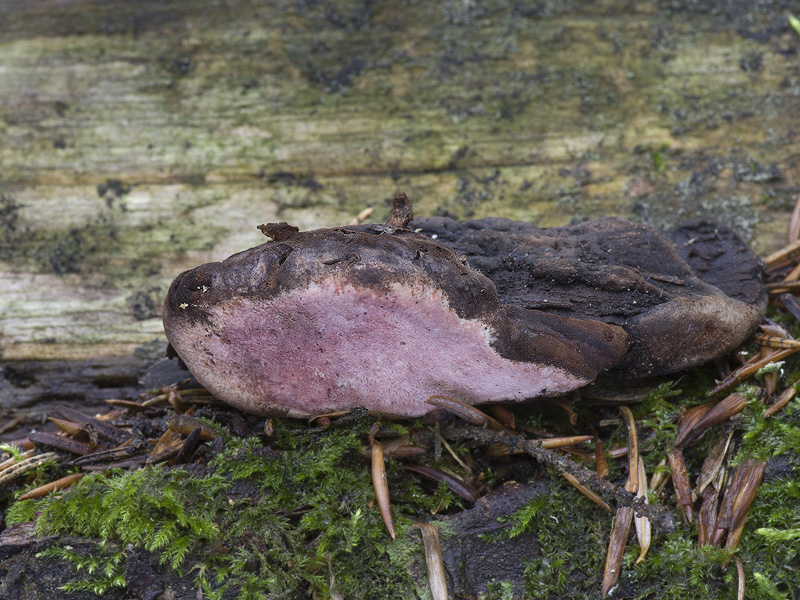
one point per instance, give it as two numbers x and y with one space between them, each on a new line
333 589
782 400
771 341
12 424
26 465
465 411
561 442
587 492
633 450
783 287
740 573
790 303
454 483
643 529
661 519
360 217
793 274
455 456
680 481
503 415
616 547
53 486
433 560
782 254
567 408
13 460
382 487
749 370
659 478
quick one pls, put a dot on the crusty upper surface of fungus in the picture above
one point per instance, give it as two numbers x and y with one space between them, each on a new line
683 302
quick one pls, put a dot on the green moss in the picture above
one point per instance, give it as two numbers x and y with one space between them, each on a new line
263 522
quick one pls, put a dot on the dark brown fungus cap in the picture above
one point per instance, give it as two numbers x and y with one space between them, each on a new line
492 310
374 316
684 298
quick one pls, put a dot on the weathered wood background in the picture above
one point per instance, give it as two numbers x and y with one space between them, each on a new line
138 139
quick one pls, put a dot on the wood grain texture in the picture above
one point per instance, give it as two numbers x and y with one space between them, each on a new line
141 139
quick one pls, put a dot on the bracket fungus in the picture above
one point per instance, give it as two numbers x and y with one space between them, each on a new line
383 317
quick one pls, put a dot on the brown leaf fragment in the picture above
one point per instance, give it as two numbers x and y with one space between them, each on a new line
601 464
433 560
753 474
53 486
381 486
60 442
620 531
185 425
92 425
189 446
68 427
738 496
707 516
680 481
770 383
690 419
587 492
402 213
781 401
732 541
774 330
714 459
721 411
167 447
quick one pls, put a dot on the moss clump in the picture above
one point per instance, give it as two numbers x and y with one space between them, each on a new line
260 521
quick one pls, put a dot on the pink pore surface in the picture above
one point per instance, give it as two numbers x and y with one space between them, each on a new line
327 347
